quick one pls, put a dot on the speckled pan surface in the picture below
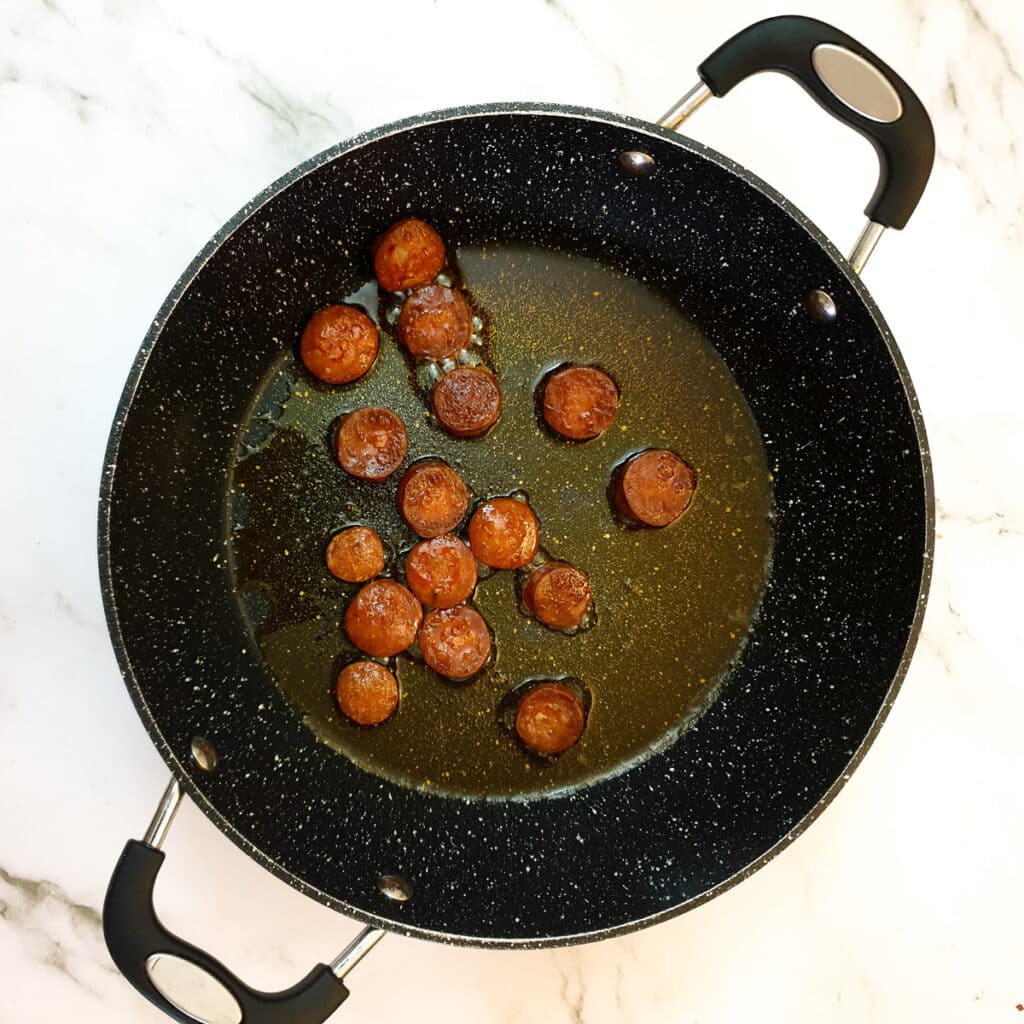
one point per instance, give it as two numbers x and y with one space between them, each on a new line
839 619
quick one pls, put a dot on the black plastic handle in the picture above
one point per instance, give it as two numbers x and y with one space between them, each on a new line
905 146
134 934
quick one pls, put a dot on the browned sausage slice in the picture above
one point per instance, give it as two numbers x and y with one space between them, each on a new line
408 254
371 443
435 323
432 497
455 642
558 595
655 488
367 692
549 718
467 401
383 618
441 572
355 555
504 533
580 402
339 344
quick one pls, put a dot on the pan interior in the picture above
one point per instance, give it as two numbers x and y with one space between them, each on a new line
672 607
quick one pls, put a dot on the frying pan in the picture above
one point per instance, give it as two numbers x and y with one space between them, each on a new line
840 614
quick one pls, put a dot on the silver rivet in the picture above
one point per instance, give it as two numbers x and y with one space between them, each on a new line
821 306
395 887
204 754
632 161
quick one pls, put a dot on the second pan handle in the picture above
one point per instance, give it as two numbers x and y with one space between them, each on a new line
854 86
183 980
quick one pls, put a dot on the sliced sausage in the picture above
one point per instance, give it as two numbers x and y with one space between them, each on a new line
371 443
580 402
558 595
355 555
408 254
504 533
367 692
435 323
339 344
654 488
441 572
432 497
455 642
550 718
467 401
383 618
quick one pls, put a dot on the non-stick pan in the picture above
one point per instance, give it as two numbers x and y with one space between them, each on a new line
838 619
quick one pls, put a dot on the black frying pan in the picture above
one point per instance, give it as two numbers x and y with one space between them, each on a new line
841 612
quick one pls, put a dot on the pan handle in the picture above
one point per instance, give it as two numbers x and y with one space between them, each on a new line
183 981
853 85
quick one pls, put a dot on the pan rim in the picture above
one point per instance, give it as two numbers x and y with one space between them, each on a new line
182 773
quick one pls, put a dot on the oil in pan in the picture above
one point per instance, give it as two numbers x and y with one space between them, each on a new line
672 607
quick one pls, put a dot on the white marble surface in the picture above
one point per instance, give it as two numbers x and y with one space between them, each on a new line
131 129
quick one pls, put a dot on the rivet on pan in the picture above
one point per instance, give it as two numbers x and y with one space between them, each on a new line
821 305
204 754
395 887
640 165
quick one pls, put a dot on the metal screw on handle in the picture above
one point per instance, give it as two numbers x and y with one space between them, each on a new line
695 98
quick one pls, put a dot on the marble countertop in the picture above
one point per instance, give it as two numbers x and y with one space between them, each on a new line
132 130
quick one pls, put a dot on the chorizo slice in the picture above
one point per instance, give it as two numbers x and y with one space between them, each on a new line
580 402
435 323
467 401
655 488
339 344
371 443
441 572
432 497
367 692
355 555
558 595
504 533
383 618
408 254
550 718
455 642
